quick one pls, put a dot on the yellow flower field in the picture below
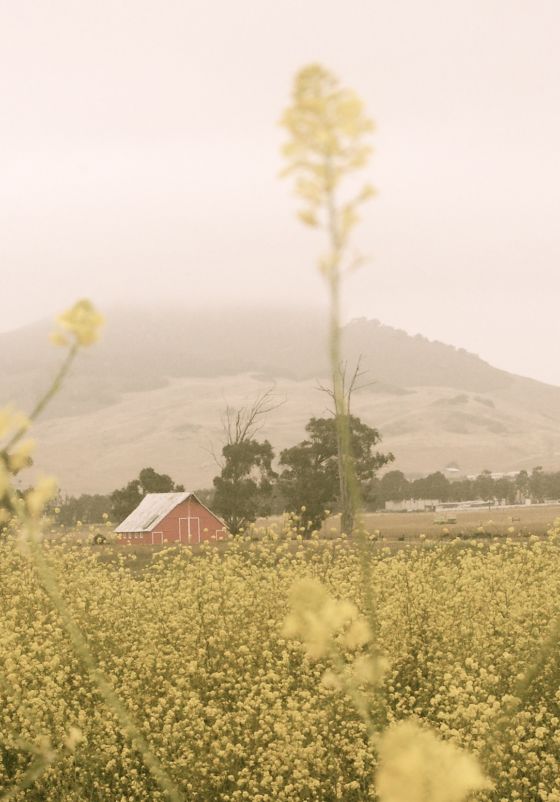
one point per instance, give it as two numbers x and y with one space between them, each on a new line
199 650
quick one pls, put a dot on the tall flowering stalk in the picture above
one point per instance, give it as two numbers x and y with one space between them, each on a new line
328 142
78 328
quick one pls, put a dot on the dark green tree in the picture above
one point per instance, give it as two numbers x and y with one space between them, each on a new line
484 486
504 488
206 495
89 509
310 479
553 490
124 500
394 486
522 485
309 482
436 486
243 490
461 490
538 484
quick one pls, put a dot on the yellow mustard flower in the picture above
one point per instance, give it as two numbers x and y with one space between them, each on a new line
82 322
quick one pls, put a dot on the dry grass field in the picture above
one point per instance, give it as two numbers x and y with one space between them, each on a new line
409 526
534 519
178 424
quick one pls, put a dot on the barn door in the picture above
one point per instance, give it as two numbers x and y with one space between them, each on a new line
184 530
194 530
189 530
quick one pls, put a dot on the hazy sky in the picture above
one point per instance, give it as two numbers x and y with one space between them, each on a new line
139 161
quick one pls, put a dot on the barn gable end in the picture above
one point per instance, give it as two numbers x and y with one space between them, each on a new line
171 518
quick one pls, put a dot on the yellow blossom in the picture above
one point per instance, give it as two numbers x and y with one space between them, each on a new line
12 420
369 670
358 634
44 490
316 617
74 737
82 321
417 766
21 456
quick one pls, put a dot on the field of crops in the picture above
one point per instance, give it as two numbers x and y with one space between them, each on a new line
233 707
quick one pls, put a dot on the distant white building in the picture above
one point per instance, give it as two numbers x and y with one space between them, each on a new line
495 475
412 505
473 504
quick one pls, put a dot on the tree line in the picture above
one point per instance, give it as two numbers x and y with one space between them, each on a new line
248 487
305 483
537 486
304 479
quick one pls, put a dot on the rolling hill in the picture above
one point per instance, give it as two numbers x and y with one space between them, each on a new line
153 391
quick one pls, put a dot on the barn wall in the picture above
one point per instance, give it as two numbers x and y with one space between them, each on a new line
174 527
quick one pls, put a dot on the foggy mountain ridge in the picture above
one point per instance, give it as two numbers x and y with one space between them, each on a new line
142 349
153 390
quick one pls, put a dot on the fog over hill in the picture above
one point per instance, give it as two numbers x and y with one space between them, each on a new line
153 390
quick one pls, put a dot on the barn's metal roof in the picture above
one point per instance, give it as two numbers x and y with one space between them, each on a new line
151 510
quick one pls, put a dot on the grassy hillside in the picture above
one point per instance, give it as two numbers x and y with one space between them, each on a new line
153 391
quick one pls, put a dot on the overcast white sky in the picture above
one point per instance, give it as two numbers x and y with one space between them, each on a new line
139 160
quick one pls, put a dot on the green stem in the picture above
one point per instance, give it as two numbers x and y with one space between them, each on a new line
44 400
350 495
341 417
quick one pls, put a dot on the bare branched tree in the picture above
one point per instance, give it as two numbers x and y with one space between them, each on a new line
244 487
341 393
348 386
328 141
243 423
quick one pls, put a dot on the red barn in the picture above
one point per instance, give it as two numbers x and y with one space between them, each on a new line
171 518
